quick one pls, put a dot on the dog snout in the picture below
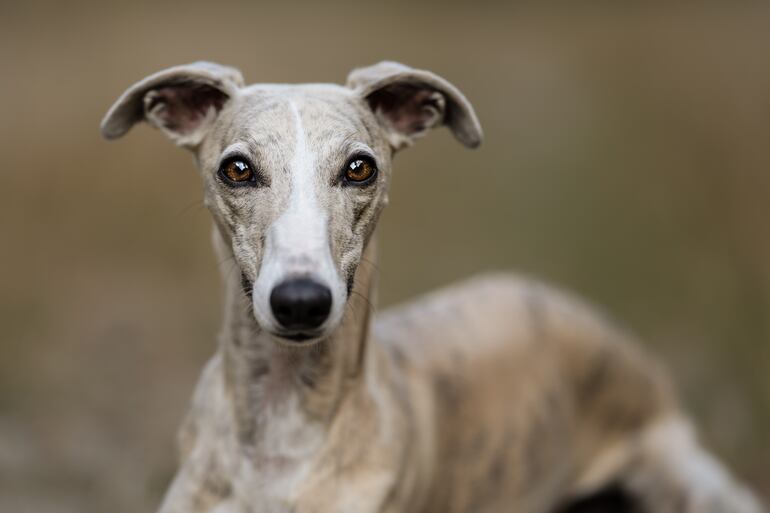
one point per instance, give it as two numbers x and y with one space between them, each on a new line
301 304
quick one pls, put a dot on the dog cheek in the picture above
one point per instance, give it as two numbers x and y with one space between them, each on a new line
351 263
248 249
346 255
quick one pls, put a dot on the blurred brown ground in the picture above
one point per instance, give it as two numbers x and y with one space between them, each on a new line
626 158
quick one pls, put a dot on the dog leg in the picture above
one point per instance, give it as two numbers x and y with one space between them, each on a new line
670 472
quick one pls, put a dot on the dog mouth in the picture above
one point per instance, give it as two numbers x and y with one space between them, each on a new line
297 337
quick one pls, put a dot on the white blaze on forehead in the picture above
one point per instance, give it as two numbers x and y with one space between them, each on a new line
301 229
297 243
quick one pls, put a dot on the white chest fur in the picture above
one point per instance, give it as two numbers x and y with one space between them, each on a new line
270 474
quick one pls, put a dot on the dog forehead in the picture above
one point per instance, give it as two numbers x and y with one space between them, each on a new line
270 112
273 119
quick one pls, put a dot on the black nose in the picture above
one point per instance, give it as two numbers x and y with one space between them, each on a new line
301 304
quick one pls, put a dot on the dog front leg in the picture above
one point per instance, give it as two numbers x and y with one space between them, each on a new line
369 492
197 488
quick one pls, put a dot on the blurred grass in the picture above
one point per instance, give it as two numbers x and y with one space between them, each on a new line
626 158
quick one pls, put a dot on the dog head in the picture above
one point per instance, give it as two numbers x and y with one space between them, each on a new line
295 176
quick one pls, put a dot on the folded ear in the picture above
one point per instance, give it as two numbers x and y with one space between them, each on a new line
182 102
408 102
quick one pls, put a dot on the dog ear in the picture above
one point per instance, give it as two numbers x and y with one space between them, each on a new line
408 102
182 102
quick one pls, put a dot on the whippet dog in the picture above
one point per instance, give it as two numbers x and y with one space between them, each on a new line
495 395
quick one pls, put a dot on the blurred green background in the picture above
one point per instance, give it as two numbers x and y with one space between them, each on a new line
626 158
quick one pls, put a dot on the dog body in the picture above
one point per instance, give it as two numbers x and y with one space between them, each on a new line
496 395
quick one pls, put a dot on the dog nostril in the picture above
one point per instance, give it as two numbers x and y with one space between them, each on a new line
301 304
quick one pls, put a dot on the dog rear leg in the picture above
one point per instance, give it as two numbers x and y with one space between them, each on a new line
669 472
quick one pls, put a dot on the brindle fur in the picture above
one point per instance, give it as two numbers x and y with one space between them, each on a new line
495 395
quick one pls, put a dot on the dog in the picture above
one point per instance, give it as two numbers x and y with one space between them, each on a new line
498 394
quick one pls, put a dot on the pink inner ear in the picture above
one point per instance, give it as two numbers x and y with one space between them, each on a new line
182 107
410 108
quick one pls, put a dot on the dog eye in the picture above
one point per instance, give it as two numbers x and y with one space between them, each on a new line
237 172
360 171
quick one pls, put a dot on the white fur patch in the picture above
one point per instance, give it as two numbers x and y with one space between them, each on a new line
297 243
271 478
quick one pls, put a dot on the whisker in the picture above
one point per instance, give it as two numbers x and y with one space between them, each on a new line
197 203
369 304
374 265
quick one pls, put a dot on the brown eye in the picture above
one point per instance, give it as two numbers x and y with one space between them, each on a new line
360 171
237 172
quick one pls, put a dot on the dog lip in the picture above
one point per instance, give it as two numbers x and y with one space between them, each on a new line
247 285
299 336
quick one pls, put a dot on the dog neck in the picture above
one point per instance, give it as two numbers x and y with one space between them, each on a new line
262 374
